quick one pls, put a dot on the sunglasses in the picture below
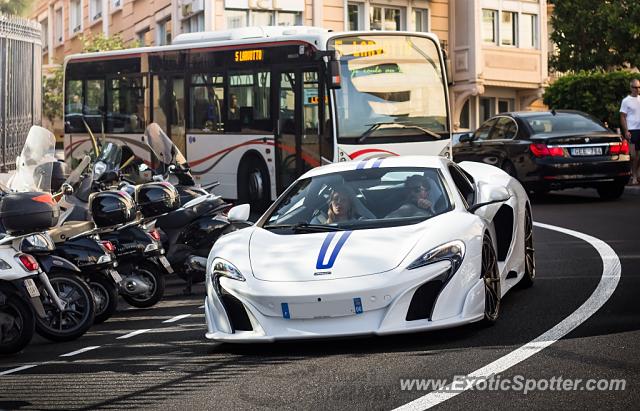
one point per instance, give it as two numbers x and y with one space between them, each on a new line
637 87
418 189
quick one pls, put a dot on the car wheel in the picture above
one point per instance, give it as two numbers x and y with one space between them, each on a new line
529 253
611 191
491 278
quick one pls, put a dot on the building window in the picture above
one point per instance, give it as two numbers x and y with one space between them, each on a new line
163 36
143 37
487 108
385 18
421 19
489 26
262 18
509 28
505 105
194 23
465 115
45 34
75 16
354 15
529 31
236 18
95 9
289 18
57 25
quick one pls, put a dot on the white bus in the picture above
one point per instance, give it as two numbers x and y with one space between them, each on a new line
254 108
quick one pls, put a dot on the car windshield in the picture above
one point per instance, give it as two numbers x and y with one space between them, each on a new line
393 90
563 123
360 199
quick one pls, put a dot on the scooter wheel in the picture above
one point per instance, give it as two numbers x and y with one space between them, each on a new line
153 276
77 317
105 297
17 324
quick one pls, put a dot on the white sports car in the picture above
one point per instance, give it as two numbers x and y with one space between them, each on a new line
382 246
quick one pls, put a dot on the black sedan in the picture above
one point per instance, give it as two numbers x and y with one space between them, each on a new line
551 151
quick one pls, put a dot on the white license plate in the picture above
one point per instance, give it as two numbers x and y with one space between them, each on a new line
322 309
586 151
115 275
31 288
166 264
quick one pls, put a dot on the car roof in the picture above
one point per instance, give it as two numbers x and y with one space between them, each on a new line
525 114
393 161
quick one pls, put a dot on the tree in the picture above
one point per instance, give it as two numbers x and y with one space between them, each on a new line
15 7
595 34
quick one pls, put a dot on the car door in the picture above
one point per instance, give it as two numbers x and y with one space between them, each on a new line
473 150
495 148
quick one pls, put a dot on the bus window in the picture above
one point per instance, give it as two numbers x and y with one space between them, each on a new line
248 100
94 104
125 103
311 121
160 108
73 107
206 103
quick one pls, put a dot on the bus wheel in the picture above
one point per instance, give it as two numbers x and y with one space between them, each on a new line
253 184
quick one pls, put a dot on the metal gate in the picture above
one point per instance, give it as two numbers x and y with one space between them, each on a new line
20 85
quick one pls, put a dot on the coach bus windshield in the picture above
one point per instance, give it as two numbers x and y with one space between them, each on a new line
393 90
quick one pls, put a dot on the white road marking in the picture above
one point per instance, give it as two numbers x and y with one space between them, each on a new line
80 351
133 334
177 318
24 367
611 271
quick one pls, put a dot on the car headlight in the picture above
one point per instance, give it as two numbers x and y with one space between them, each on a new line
98 169
452 251
220 267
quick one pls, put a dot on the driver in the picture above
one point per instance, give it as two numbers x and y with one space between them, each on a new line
417 203
340 208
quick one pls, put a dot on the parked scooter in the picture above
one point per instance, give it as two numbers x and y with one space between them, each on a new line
66 308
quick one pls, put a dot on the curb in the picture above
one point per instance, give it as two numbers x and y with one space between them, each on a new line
632 189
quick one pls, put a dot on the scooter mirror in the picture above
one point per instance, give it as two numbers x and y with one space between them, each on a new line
67 189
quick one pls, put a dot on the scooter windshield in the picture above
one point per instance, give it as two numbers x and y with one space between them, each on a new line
162 147
34 166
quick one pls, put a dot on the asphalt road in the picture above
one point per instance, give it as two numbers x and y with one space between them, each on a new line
172 366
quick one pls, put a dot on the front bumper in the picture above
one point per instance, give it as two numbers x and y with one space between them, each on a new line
384 307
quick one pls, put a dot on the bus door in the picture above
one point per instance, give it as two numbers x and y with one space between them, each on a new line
169 107
300 113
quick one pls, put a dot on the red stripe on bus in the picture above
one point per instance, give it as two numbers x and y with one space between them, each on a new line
357 154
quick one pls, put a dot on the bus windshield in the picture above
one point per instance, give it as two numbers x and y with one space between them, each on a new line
393 90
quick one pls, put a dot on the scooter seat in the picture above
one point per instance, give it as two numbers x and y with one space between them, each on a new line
183 216
69 229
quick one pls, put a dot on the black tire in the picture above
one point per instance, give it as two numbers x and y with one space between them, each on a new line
611 191
17 324
253 184
105 297
491 278
529 253
510 169
153 276
77 317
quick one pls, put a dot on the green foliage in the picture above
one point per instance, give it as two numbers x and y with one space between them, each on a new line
597 93
93 43
52 94
595 34
14 7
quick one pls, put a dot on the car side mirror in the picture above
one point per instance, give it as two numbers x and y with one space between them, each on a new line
491 194
239 213
464 138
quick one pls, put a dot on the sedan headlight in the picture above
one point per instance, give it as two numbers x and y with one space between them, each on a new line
452 251
220 267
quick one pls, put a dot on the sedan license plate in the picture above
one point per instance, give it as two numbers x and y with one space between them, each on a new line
166 264
115 275
31 288
586 151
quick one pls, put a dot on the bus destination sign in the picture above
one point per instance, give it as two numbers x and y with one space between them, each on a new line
248 55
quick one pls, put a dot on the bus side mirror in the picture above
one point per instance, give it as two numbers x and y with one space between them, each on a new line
333 69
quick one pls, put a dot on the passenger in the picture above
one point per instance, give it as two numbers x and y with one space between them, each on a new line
234 108
417 203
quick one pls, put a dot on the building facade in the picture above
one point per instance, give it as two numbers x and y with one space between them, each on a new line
497 48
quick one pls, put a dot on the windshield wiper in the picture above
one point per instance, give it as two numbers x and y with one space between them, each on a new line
304 227
377 126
